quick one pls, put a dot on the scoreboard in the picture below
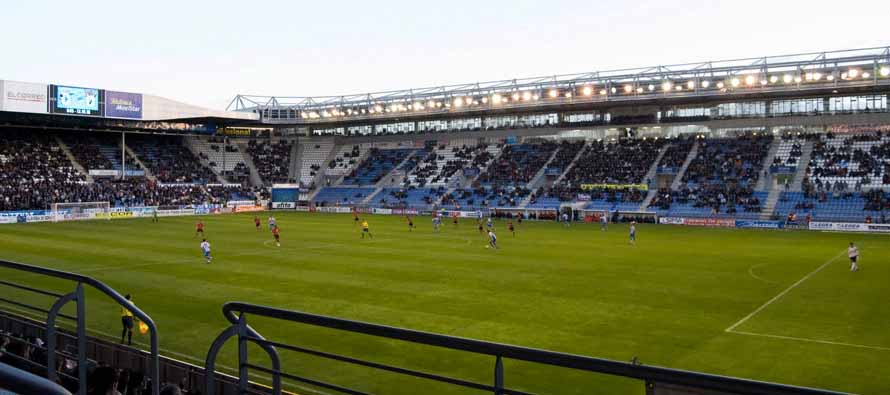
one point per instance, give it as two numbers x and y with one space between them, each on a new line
76 101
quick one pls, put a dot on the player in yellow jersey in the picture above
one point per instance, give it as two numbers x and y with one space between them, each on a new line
365 229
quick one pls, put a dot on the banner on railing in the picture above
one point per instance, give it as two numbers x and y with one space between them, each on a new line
713 222
758 224
850 227
284 205
587 187
246 209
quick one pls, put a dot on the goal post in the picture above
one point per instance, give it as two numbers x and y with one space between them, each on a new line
80 211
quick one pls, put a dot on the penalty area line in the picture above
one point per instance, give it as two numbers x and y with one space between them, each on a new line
808 340
785 291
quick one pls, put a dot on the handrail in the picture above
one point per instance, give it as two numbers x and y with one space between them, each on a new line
78 295
21 382
235 313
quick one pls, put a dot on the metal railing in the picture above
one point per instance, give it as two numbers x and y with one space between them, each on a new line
77 295
237 314
22 382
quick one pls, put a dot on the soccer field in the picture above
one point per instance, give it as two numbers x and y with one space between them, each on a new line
768 305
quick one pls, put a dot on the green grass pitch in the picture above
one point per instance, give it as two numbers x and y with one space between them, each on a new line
797 314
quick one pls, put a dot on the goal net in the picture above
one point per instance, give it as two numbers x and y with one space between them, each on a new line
78 211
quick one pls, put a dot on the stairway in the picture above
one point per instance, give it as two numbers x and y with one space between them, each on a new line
679 177
370 198
571 164
296 163
255 178
806 153
650 175
770 205
536 180
77 166
470 181
190 144
765 180
148 173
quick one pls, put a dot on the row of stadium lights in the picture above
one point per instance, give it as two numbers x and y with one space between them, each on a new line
587 91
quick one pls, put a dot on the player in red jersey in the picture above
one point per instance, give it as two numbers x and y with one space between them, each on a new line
257 222
410 223
510 226
354 217
199 228
275 233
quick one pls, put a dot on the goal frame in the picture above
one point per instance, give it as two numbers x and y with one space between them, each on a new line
80 211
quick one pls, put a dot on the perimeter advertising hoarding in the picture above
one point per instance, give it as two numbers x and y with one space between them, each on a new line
71 100
123 105
23 97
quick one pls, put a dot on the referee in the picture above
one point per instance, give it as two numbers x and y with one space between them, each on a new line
127 324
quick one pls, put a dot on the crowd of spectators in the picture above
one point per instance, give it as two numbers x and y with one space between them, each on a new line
28 353
33 169
169 160
567 151
479 196
517 164
676 154
272 160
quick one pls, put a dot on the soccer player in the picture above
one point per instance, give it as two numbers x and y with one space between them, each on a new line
489 223
154 215
205 246
275 233
853 253
355 217
510 227
565 219
604 221
272 222
410 223
633 232
454 219
366 229
492 240
257 223
480 226
127 323
199 228
436 222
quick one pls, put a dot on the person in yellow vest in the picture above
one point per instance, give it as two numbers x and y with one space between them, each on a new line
366 229
127 324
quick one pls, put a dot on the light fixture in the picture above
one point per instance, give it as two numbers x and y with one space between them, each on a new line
866 74
515 96
628 88
602 92
431 104
690 84
651 87
885 71
797 79
640 89
843 76
705 84
678 87
853 73
774 79
764 82
787 78
666 86
830 77
817 76
485 100
569 95
586 91
458 102
553 93
735 82
496 98
720 85
535 97
749 80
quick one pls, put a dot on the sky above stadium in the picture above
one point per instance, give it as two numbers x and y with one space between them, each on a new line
206 52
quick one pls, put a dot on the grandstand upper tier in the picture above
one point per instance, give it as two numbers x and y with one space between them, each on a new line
786 76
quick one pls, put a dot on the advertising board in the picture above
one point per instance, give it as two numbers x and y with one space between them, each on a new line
849 227
24 97
123 105
758 224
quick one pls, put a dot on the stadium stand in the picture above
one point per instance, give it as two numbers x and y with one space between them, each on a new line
224 159
378 164
169 159
346 159
313 155
33 171
272 159
342 196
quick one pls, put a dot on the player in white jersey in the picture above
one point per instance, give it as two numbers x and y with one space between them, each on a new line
489 223
633 233
272 223
604 221
436 222
853 253
565 219
492 240
205 247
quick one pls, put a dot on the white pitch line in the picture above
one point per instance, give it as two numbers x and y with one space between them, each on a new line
804 339
781 294
751 272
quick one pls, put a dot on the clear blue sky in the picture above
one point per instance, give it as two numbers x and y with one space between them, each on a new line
205 52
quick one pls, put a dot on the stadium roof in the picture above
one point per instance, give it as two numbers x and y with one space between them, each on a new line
805 72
